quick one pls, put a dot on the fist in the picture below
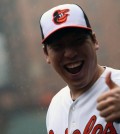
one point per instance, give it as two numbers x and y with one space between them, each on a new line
109 102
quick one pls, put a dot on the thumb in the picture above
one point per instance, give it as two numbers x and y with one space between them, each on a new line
111 84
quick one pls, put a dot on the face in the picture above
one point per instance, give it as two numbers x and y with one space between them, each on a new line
73 56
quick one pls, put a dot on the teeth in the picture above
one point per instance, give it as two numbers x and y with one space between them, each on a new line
74 65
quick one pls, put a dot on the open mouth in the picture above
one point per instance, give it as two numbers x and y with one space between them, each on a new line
74 68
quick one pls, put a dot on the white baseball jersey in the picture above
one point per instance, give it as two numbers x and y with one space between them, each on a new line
66 116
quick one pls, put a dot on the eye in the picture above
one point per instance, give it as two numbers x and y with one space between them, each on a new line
56 47
81 40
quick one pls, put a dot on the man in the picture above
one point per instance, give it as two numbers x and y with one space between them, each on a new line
90 104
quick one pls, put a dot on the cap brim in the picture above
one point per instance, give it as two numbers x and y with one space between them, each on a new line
81 27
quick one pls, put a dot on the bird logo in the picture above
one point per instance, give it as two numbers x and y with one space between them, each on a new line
60 16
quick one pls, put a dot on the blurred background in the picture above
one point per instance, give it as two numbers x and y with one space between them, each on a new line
27 83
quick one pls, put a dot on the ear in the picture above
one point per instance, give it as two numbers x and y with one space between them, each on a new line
95 41
46 54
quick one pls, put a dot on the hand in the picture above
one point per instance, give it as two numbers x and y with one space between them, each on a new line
109 102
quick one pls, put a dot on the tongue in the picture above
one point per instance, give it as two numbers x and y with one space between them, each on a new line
74 70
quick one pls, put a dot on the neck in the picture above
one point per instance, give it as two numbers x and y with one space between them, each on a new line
75 93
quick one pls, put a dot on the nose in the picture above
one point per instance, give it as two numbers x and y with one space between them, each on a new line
70 52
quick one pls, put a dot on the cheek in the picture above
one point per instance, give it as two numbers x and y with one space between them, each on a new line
91 53
53 59
56 62
91 60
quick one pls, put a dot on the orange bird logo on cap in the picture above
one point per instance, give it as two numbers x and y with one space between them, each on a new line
60 16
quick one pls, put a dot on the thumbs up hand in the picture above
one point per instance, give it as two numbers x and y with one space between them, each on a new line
109 102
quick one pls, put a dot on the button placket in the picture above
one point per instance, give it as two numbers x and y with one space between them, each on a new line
71 118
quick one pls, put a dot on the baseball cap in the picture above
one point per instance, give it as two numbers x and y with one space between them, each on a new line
63 16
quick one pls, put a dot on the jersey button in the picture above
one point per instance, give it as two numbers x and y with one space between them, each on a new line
73 108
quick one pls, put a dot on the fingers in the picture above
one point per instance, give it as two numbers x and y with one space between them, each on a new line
110 82
104 103
113 117
104 96
109 109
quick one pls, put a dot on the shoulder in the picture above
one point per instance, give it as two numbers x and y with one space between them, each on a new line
62 97
64 92
58 101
